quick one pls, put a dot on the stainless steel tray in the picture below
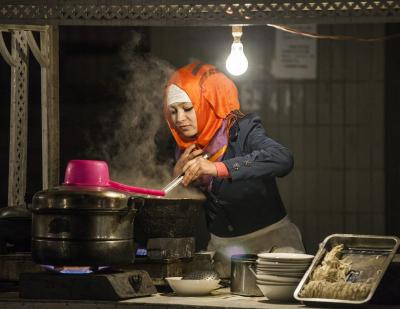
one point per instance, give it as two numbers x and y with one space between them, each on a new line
370 256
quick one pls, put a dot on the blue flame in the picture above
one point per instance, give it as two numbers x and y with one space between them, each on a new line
79 270
141 252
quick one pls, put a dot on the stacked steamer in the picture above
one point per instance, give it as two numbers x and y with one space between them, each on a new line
278 274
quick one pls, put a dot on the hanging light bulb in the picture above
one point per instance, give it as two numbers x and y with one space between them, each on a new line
237 63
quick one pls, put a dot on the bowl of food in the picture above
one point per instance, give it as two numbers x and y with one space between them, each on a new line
188 287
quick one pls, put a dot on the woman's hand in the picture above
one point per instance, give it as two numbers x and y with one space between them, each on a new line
196 168
189 154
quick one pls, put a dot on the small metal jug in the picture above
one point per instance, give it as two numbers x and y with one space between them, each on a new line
243 281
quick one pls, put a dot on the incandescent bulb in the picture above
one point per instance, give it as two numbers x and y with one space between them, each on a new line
237 63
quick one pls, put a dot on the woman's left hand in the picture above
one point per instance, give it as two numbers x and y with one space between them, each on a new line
196 168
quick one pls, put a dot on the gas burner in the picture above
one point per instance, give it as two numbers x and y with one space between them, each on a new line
76 270
108 286
170 248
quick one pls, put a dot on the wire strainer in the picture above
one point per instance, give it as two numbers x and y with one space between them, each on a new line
201 275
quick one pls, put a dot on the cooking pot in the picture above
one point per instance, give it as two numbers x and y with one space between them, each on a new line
82 226
243 281
15 228
165 217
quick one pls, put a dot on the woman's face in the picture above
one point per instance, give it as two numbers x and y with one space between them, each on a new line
184 118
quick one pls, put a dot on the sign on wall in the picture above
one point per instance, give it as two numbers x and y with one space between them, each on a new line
295 55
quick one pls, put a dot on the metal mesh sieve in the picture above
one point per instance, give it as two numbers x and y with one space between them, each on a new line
201 275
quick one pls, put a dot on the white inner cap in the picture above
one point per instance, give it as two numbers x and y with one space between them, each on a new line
176 95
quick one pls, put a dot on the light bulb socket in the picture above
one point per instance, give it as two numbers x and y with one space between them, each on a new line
237 33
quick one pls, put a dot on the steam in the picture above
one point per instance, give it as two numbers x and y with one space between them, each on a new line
140 132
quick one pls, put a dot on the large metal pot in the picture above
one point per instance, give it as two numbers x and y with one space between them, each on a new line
166 217
82 226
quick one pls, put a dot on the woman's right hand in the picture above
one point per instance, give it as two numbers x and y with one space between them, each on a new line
190 153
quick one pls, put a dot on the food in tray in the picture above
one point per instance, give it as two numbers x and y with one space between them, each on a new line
328 280
332 268
336 290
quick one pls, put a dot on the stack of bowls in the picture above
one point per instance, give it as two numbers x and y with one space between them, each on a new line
278 274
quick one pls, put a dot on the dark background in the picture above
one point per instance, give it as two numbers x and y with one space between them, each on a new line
90 71
392 130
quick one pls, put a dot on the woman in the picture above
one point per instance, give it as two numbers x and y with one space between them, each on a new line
245 213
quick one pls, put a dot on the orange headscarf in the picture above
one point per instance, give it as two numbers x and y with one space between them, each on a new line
214 96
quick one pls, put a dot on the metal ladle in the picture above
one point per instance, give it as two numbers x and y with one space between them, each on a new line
177 180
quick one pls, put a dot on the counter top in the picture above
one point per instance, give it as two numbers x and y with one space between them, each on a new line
220 299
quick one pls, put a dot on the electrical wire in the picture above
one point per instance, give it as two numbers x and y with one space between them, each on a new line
333 37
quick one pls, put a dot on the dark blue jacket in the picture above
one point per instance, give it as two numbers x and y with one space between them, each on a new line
249 200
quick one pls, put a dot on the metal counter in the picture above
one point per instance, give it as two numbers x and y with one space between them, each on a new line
221 299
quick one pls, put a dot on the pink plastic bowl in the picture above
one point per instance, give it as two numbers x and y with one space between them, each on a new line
95 173
87 173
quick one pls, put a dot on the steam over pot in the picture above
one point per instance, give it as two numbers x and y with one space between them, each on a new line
82 226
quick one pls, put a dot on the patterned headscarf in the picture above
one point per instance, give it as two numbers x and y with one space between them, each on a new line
214 97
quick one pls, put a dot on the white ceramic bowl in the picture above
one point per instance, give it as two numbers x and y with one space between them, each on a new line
285 273
277 292
282 274
282 268
283 265
284 257
267 282
192 287
280 279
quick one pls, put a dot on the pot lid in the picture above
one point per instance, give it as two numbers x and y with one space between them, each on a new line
14 212
80 198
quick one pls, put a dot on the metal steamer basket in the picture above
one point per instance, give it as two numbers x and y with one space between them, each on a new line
82 226
370 257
